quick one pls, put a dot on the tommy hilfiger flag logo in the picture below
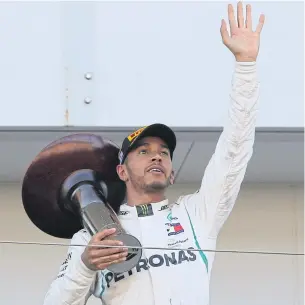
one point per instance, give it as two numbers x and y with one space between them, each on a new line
174 228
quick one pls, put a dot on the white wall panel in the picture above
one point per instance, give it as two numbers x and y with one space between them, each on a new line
266 218
146 58
32 69
152 56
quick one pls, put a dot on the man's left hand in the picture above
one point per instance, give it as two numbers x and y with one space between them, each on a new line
243 41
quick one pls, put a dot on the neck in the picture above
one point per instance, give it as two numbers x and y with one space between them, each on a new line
135 198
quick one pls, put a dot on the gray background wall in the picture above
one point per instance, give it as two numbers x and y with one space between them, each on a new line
265 218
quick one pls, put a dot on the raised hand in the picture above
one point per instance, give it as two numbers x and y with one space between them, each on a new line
243 42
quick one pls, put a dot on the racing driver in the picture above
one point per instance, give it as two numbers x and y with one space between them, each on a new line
170 277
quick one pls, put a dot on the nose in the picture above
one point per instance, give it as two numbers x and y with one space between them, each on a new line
156 157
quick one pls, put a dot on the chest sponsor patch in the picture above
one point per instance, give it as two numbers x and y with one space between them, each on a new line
144 210
64 265
176 243
174 228
163 208
123 213
154 261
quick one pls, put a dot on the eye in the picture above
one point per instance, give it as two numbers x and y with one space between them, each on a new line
165 153
142 151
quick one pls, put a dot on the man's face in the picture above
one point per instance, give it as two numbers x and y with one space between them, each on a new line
148 167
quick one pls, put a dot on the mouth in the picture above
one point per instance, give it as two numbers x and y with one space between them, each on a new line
155 170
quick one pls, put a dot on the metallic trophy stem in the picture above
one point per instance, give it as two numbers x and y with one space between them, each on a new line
96 214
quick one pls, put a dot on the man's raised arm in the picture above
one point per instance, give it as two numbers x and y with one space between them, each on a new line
226 170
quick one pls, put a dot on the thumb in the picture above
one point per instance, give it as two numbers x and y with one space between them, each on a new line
224 32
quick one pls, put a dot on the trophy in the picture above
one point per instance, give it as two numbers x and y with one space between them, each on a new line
73 184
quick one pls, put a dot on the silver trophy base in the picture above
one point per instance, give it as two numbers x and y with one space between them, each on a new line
133 256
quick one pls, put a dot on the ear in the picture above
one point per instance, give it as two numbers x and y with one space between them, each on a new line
122 173
172 178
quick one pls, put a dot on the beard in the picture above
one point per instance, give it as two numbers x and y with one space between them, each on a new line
148 188
155 187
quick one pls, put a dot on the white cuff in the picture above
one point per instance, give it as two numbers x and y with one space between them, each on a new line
83 270
246 71
243 67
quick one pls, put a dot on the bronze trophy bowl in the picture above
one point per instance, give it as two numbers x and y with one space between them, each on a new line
66 162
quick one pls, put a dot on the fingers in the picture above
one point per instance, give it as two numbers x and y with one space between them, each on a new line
241 23
248 17
104 251
102 258
231 18
103 234
98 258
104 266
240 15
224 32
260 24
110 258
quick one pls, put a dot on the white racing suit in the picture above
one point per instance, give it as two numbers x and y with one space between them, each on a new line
173 277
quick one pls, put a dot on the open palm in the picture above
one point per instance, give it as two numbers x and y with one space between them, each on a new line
243 41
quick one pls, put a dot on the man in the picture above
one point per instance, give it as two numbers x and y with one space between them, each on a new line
173 277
